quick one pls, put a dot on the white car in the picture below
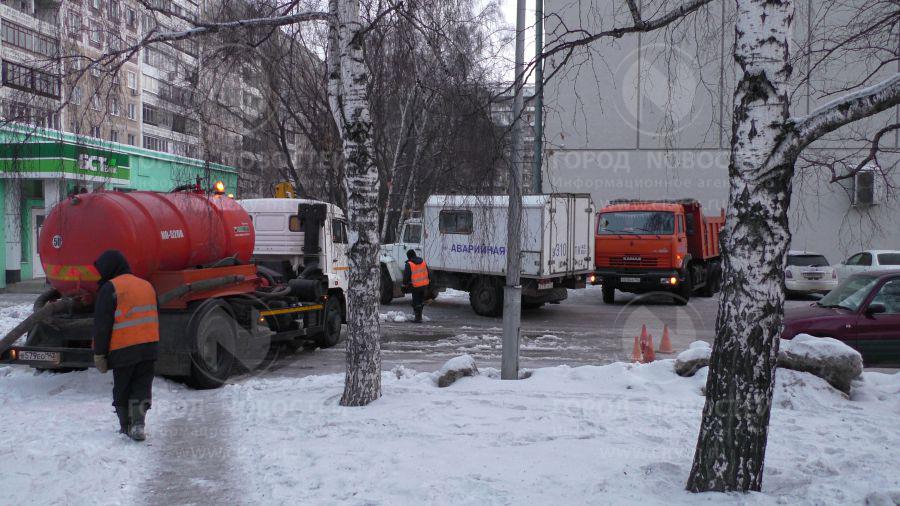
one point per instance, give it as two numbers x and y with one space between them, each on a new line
809 272
869 260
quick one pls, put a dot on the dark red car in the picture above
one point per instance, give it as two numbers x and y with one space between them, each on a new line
863 312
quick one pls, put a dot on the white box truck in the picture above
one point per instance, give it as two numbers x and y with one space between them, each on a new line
463 240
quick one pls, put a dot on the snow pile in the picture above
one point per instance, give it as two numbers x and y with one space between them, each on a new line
399 317
450 293
825 357
454 369
692 359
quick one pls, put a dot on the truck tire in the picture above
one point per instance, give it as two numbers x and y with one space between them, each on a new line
331 335
387 288
213 333
609 294
486 297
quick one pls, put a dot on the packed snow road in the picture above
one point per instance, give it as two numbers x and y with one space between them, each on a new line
581 330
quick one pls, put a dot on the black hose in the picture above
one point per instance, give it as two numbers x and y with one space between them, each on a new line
36 317
44 298
198 286
224 262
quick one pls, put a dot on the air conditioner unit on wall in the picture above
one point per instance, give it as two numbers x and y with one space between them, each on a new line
866 186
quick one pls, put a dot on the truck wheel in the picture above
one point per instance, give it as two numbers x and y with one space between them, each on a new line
486 297
387 288
609 294
213 333
331 335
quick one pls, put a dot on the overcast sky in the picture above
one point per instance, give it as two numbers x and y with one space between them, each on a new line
509 12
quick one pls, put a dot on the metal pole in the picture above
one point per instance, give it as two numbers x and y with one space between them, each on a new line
512 292
536 184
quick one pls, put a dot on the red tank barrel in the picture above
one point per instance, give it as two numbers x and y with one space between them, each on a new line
155 231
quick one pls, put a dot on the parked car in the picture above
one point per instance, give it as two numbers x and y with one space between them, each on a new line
869 260
863 312
808 272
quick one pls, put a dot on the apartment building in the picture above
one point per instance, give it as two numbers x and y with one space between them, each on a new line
161 98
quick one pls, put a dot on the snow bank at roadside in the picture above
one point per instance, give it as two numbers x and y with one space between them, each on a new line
620 433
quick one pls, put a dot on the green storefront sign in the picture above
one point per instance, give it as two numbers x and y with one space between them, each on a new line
37 158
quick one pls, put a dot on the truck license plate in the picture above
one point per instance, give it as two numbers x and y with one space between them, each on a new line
39 356
545 285
630 280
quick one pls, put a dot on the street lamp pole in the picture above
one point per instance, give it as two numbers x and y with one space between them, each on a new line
512 292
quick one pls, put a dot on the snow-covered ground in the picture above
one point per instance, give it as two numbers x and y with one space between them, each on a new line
615 434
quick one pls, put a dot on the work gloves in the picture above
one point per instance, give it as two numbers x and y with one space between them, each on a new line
100 363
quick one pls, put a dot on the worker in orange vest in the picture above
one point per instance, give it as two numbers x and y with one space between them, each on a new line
415 277
126 333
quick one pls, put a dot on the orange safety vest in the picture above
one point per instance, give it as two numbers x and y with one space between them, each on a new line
419 273
136 320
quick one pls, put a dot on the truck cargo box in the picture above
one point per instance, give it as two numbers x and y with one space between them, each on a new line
468 234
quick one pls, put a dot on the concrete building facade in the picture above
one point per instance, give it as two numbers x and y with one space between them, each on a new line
648 116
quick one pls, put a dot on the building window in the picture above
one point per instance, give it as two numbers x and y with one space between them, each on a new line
96 35
95 4
130 18
76 95
114 106
74 24
156 144
95 102
132 111
131 139
132 80
28 39
95 132
114 135
30 80
113 10
150 116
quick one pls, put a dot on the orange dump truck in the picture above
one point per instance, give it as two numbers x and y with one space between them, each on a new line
652 246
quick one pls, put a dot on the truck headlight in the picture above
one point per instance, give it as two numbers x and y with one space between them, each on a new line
673 280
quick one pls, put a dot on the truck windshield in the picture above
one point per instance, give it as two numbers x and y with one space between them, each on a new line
637 222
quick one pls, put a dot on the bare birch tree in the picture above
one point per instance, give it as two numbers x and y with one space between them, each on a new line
766 143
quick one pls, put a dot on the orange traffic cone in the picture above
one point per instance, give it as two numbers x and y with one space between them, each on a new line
643 332
636 355
665 345
649 354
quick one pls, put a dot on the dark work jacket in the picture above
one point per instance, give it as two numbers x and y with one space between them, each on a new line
109 265
407 272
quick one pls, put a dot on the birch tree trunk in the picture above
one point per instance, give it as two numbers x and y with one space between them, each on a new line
732 443
347 87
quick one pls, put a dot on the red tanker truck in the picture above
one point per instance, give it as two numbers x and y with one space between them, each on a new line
219 313
651 246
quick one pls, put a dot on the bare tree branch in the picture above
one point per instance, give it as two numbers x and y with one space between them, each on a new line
853 107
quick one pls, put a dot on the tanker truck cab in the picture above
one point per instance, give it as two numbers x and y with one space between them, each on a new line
282 250
657 246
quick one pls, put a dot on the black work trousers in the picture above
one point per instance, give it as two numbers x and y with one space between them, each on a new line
132 386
